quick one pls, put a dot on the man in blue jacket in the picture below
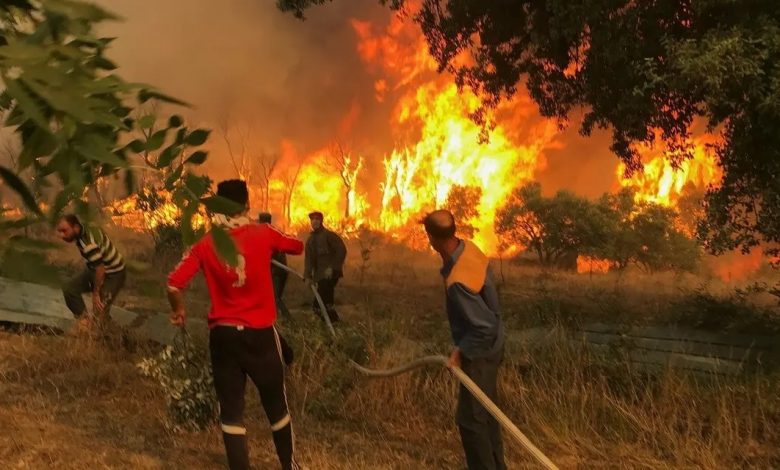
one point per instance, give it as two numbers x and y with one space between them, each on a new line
475 322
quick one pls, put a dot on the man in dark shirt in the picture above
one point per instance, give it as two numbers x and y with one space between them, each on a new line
475 323
278 275
324 263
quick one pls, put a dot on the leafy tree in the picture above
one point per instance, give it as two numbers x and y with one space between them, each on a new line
73 116
661 245
555 228
635 67
646 234
463 202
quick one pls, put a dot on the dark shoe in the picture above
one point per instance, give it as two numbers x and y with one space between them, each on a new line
334 316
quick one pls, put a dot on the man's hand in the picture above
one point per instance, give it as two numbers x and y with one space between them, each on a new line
454 360
98 307
178 318
329 273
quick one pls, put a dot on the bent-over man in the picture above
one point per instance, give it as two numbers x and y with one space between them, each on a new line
103 277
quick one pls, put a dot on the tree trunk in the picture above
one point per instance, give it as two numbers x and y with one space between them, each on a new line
346 203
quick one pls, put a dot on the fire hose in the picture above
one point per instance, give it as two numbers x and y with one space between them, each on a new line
457 372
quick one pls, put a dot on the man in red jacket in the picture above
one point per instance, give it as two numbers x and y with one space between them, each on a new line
242 337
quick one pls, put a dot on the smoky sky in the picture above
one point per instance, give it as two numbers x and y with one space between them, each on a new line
292 80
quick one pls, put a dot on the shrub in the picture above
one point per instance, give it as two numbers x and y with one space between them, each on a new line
184 375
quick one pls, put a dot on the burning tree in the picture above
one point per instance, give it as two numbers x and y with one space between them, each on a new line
236 139
266 164
290 179
348 167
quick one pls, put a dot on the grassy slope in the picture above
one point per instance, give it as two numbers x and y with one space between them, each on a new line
74 404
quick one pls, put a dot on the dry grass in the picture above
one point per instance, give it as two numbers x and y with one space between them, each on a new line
68 403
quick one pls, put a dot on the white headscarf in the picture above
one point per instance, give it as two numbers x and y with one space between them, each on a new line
230 222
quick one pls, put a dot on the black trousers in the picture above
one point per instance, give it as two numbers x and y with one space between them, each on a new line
83 283
279 279
236 353
327 290
480 433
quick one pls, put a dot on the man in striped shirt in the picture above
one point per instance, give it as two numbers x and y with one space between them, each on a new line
104 275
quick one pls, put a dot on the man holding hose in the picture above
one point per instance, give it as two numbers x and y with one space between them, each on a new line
475 323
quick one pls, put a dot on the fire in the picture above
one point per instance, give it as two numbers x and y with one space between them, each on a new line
419 177
662 183
131 213
438 148
586 264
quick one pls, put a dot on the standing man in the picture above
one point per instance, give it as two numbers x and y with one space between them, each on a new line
103 276
242 338
324 263
475 322
278 275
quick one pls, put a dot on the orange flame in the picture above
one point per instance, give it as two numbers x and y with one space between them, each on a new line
662 183
126 213
439 148
586 264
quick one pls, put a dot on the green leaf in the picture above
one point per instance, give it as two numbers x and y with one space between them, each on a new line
156 140
103 63
181 134
39 143
222 205
146 95
147 121
26 103
75 174
121 111
137 146
13 181
226 247
20 51
78 10
198 185
175 176
187 234
98 149
168 155
198 137
175 121
197 158
63 199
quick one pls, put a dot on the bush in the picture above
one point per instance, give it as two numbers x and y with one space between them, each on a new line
185 378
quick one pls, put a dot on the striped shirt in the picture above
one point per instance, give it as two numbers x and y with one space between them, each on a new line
97 249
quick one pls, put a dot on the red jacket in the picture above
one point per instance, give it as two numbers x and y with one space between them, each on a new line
243 295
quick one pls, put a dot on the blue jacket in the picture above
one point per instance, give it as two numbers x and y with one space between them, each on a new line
472 302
